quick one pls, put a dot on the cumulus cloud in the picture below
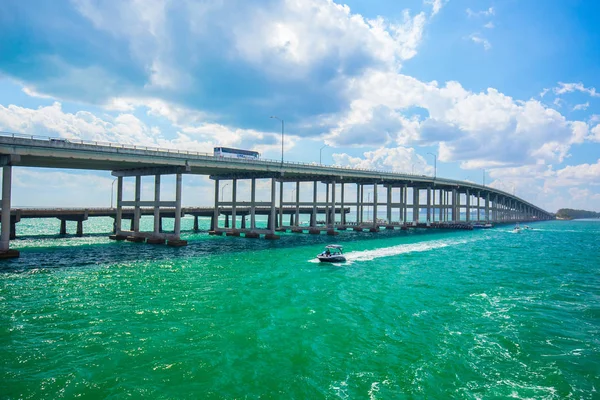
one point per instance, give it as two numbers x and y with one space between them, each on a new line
399 159
582 107
126 128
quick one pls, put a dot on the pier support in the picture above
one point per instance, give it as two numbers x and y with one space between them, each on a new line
5 251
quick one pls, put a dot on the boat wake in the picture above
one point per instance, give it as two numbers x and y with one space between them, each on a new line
368 255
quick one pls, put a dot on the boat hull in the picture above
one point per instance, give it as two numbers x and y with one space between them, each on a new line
331 259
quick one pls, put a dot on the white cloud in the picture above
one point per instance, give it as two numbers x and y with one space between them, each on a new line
595 134
574 87
477 38
399 159
436 5
483 13
126 128
489 25
583 106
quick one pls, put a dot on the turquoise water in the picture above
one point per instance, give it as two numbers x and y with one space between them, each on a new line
421 314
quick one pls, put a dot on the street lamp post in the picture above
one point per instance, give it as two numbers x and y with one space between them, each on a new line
320 150
282 127
434 164
222 190
112 188
292 195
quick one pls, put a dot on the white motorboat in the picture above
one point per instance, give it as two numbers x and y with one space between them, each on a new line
516 229
333 253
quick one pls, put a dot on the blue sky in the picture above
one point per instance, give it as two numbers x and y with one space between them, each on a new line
501 88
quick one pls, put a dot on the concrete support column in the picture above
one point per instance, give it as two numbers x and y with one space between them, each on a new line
401 210
79 228
63 227
468 198
216 210
487 207
455 206
375 205
136 212
405 203
478 205
119 217
272 221
195 223
233 204
253 204
428 205
6 189
342 207
415 205
333 203
178 205
156 204
297 219
327 213
358 204
442 204
280 203
313 220
389 204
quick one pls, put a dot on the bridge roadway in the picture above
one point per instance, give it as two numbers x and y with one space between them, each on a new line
446 199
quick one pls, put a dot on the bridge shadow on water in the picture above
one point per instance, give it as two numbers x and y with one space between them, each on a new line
50 252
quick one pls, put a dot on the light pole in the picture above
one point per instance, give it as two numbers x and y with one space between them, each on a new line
320 150
112 187
274 117
483 180
292 195
434 164
222 190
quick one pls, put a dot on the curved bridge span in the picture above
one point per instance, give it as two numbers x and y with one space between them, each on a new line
409 199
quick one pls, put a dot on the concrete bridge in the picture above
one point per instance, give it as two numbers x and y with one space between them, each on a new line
442 201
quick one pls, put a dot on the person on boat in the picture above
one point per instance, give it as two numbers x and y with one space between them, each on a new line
327 253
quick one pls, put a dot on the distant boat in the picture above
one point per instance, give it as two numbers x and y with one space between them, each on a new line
483 226
516 229
333 253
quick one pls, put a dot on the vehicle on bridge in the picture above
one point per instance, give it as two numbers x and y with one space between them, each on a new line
333 253
236 153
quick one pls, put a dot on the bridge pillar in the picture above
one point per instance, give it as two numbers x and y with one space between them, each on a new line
178 179
253 204
332 219
429 205
280 219
119 216
358 204
273 207
5 251
196 223
375 205
342 209
226 220
487 207
63 227
136 212
233 204
313 218
415 205
468 204
297 218
79 228
327 213
157 204
389 204
215 218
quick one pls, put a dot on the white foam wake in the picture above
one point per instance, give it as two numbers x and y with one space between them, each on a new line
368 255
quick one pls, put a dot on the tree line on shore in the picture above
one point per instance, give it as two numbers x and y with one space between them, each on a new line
568 213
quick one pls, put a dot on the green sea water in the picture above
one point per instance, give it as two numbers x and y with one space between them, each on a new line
483 314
